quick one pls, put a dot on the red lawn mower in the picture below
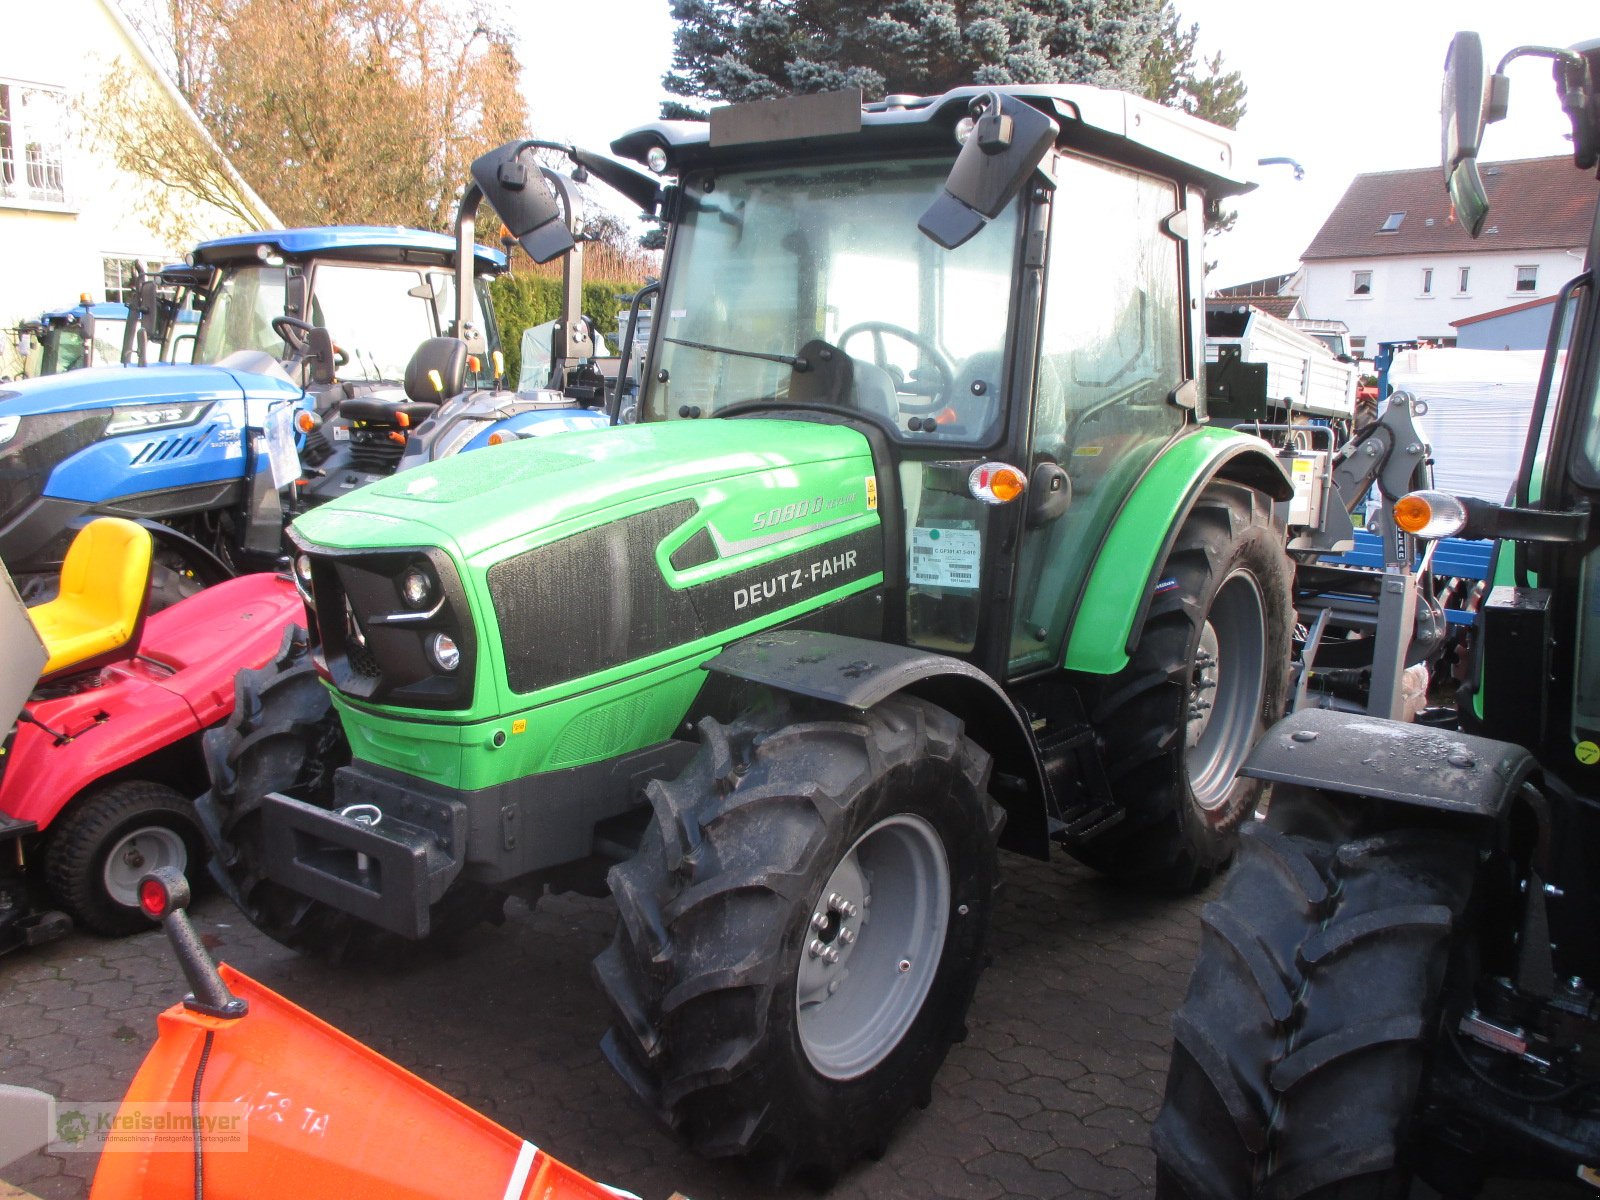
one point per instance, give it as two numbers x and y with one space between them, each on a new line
102 708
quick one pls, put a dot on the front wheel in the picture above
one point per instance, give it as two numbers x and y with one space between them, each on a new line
104 843
801 931
1314 1003
1202 684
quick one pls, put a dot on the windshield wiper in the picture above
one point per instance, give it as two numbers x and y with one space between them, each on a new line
788 360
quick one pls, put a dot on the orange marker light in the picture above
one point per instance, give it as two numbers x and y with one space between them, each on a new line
305 422
996 483
1430 514
403 420
497 438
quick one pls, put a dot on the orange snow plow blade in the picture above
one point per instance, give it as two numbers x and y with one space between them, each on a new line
322 1116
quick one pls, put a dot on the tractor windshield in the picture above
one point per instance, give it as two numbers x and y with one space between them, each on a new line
767 261
377 315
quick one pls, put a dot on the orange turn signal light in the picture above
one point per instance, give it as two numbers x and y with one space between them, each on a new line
305 422
497 438
1430 514
403 420
996 483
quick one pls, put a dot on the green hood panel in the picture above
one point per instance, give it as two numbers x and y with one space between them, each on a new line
601 569
474 502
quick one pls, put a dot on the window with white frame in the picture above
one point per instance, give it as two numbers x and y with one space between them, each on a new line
119 285
33 138
1527 279
1427 281
1462 280
1361 283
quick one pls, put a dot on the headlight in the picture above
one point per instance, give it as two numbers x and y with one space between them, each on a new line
443 650
416 587
8 428
154 416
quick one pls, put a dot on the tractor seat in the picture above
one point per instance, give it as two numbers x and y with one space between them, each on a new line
437 371
386 410
98 612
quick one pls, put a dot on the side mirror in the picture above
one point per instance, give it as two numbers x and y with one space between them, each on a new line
515 188
1008 140
1462 114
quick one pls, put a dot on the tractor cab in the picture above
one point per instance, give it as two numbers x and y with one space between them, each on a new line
68 339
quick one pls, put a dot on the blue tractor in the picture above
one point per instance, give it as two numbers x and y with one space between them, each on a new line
68 339
317 355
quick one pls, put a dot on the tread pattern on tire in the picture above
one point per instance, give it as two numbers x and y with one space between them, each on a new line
1139 713
728 864
284 736
77 840
1313 1096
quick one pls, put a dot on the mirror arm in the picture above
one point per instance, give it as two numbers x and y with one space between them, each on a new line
466 250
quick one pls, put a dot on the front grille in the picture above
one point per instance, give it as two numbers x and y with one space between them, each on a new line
41 443
384 662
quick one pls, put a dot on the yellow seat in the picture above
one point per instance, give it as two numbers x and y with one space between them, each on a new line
99 607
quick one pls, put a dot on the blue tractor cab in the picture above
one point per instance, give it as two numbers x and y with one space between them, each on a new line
291 323
67 339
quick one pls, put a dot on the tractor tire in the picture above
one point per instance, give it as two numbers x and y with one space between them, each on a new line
104 842
284 736
1314 1003
801 931
1208 676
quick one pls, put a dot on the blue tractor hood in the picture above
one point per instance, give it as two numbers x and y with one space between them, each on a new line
117 387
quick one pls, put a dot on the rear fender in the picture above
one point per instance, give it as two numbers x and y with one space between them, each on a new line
860 673
1120 585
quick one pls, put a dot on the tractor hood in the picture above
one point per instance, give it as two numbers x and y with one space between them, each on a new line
117 387
561 564
533 491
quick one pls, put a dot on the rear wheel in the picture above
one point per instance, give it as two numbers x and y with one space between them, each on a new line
284 736
1315 998
1201 686
802 929
105 842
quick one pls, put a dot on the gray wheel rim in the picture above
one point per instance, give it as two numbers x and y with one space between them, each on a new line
1226 689
873 939
135 855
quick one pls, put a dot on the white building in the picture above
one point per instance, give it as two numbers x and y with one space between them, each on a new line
1392 263
71 221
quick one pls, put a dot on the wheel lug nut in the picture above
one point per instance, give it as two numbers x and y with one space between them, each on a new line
816 948
847 909
830 955
819 921
847 936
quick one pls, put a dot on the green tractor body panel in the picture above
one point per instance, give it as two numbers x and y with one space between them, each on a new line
600 571
1113 599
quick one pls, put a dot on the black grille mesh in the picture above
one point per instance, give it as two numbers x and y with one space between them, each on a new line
41 442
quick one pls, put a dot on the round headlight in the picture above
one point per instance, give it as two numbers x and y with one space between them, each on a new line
445 653
302 567
656 159
416 587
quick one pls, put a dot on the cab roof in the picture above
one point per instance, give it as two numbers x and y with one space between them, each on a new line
1117 125
366 243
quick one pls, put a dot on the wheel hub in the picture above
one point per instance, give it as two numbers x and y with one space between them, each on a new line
1227 685
873 938
135 855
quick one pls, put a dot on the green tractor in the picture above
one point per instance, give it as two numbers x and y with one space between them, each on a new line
1399 977
922 547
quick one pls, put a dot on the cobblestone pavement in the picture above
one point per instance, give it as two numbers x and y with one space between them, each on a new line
1051 1095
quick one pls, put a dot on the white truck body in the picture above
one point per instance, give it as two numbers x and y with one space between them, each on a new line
1303 376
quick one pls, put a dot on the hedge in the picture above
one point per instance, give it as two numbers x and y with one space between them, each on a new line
524 300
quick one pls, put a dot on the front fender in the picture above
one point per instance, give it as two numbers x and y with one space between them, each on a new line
1119 587
859 673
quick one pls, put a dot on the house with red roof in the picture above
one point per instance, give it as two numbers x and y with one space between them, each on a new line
1393 264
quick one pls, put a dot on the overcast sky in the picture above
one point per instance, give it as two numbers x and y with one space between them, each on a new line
1342 88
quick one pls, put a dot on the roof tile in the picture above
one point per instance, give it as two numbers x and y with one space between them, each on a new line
1536 204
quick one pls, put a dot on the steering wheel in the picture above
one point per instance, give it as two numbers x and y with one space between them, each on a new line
293 331
931 353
